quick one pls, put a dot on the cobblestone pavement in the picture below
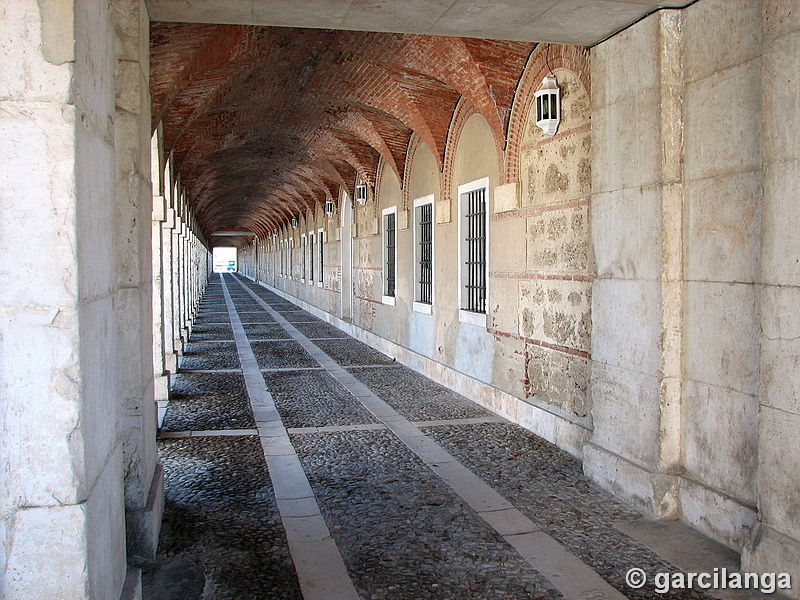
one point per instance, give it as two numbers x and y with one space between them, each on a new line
402 532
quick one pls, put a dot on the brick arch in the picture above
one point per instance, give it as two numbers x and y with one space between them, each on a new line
571 58
414 143
376 200
464 110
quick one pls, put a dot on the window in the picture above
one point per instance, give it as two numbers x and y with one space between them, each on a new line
310 259
389 255
472 255
291 258
423 255
283 258
321 266
303 258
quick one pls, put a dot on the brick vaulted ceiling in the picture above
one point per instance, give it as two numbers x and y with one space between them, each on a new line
265 122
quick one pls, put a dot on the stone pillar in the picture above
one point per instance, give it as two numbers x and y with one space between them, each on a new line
61 493
775 545
637 300
161 372
168 298
177 282
133 303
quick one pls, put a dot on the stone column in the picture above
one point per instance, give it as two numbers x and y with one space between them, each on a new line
177 282
168 298
161 372
133 305
61 494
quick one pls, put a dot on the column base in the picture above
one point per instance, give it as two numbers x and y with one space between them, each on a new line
144 524
132 589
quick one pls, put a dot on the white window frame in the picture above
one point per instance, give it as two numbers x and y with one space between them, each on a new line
424 307
310 278
387 299
303 248
283 258
467 316
291 258
321 255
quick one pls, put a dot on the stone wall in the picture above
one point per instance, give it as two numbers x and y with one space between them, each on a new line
775 544
692 180
636 171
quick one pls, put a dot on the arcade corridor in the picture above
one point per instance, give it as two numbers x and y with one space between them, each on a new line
580 215
368 453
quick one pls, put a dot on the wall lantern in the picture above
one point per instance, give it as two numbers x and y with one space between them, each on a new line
361 192
294 222
275 234
329 208
548 105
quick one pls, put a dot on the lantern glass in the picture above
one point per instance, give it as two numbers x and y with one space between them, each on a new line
548 105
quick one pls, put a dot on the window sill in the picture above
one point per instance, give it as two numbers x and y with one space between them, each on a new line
425 309
389 300
472 318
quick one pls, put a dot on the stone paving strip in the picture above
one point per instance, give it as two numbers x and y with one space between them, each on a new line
321 572
173 435
209 371
382 426
570 575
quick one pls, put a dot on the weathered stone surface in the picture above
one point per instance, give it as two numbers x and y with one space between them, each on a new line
557 312
558 378
559 241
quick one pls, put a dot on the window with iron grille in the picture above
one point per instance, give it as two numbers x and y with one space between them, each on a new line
303 258
389 254
473 228
310 258
423 254
321 255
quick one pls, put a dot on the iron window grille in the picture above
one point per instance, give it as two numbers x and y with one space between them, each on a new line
320 240
474 250
310 258
390 252
303 258
425 253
